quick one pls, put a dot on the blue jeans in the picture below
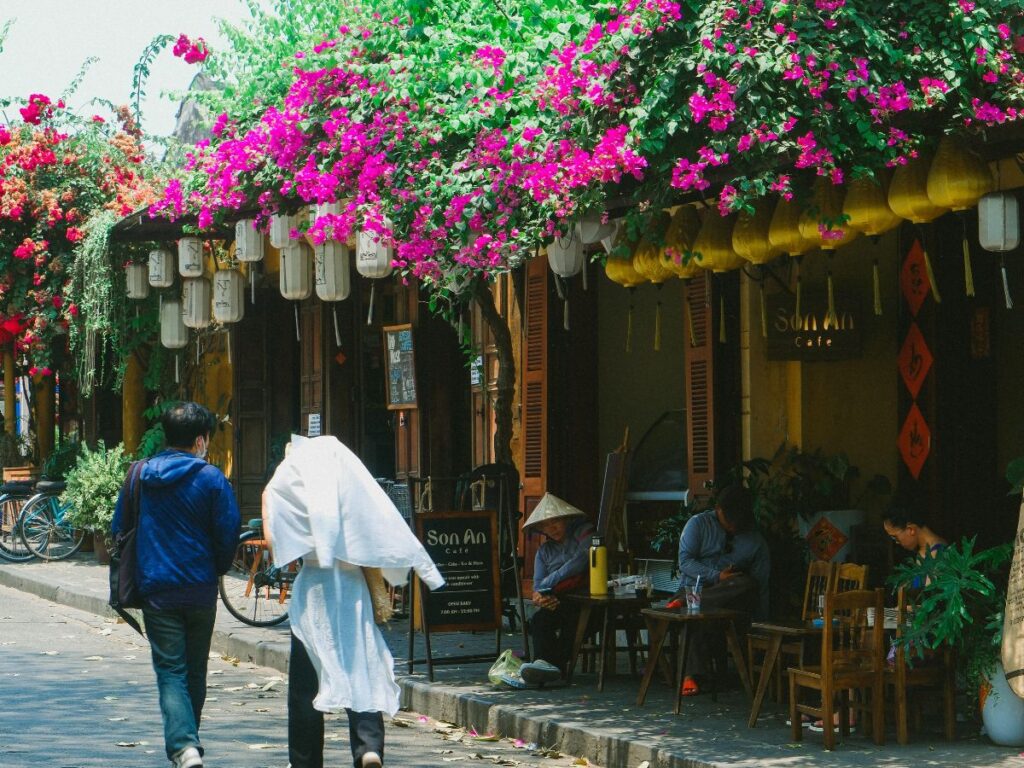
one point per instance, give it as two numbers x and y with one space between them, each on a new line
179 640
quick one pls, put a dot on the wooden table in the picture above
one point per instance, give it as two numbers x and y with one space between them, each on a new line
609 606
776 633
659 624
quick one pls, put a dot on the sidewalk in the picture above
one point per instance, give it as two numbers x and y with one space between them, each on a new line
607 728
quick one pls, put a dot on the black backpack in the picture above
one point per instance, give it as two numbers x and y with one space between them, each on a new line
124 586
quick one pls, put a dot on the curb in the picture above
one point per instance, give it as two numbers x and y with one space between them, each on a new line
439 702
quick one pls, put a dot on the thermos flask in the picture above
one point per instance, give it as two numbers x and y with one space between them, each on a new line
598 566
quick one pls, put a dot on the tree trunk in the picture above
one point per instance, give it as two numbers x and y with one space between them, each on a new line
506 388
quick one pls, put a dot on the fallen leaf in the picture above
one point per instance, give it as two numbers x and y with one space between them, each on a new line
94 658
644 764
129 743
266 746
581 761
110 698
107 631
49 653
488 737
269 685
116 719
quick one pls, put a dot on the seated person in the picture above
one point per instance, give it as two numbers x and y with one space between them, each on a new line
724 549
560 566
907 527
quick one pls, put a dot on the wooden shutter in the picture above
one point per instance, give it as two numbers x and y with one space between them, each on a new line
534 444
311 370
699 383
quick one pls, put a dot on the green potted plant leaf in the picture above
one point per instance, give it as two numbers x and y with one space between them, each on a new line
93 484
961 605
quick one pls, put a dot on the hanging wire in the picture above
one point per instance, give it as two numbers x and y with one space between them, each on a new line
689 315
764 310
968 272
629 322
876 281
337 333
831 319
298 334
657 322
1006 283
799 290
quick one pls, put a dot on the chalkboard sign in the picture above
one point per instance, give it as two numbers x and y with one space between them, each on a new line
464 545
400 367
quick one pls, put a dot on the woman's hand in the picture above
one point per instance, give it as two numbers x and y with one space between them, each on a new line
548 602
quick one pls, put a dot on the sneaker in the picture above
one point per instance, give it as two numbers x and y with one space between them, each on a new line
540 671
370 760
187 758
513 680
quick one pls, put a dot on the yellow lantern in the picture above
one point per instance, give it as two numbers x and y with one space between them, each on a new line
679 239
784 230
750 236
867 207
908 197
821 221
958 177
714 243
648 262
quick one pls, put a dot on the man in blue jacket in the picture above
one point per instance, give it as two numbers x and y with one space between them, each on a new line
187 534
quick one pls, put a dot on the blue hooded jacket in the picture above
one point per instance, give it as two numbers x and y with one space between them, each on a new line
188 530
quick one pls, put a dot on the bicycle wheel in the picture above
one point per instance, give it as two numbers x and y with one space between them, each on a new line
46 532
254 591
12 546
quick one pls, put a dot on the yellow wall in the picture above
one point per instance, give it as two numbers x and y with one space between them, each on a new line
848 405
636 387
213 388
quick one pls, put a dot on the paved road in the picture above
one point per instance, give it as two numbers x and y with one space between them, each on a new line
77 691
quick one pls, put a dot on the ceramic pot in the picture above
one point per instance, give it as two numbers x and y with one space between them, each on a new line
1002 711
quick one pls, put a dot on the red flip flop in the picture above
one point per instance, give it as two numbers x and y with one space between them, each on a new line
690 687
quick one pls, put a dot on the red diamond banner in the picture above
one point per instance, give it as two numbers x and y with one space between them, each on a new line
825 539
915 360
915 441
914 278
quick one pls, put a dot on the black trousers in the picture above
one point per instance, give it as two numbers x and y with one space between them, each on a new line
738 593
306 724
552 633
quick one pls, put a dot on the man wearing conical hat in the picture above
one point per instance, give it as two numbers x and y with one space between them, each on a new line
559 567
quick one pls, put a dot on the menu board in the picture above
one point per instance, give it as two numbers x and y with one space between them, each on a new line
464 545
400 367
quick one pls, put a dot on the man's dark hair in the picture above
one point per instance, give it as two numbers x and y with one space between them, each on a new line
737 505
906 509
184 422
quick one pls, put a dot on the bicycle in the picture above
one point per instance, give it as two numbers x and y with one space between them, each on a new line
12 499
44 524
254 590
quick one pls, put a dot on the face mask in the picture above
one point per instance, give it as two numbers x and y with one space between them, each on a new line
202 449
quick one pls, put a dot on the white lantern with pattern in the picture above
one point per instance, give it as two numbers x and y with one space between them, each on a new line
161 268
195 295
173 333
190 257
565 254
296 276
228 296
998 222
281 226
248 241
373 260
592 230
331 271
136 281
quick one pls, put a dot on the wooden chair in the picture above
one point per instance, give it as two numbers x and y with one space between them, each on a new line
820 579
852 657
905 674
850 577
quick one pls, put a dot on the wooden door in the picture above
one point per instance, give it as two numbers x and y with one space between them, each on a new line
311 371
534 444
251 409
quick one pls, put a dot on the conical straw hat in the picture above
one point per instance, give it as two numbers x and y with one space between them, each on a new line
550 508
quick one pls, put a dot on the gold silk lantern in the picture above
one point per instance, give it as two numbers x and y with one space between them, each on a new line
750 235
821 222
682 233
908 198
784 233
867 208
714 243
648 263
958 179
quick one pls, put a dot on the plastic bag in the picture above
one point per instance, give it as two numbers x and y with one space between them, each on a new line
507 664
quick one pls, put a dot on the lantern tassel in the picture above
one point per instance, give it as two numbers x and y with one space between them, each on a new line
1006 284
252 284
298 334
689 320
227 343
831 320
584 271
558 288
177 373
799 292
657 327
565 314
877 281
764 314
629 324
337 333
721 320
931 277
968 272
369 315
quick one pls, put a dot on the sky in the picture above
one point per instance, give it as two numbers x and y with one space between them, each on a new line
51 39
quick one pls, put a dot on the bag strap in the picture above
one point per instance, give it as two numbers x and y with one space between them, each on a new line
130 620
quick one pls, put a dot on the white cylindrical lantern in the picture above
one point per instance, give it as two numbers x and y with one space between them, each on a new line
136 281
297 271
373 259
173 333
161 268
248 241
228 296
592 230
565 254
328 209
998 222
190 257
331 271
195 295
281 226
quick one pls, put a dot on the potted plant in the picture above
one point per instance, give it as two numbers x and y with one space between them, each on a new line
961 605
92 488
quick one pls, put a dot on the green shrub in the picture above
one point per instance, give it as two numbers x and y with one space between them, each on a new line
93 485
